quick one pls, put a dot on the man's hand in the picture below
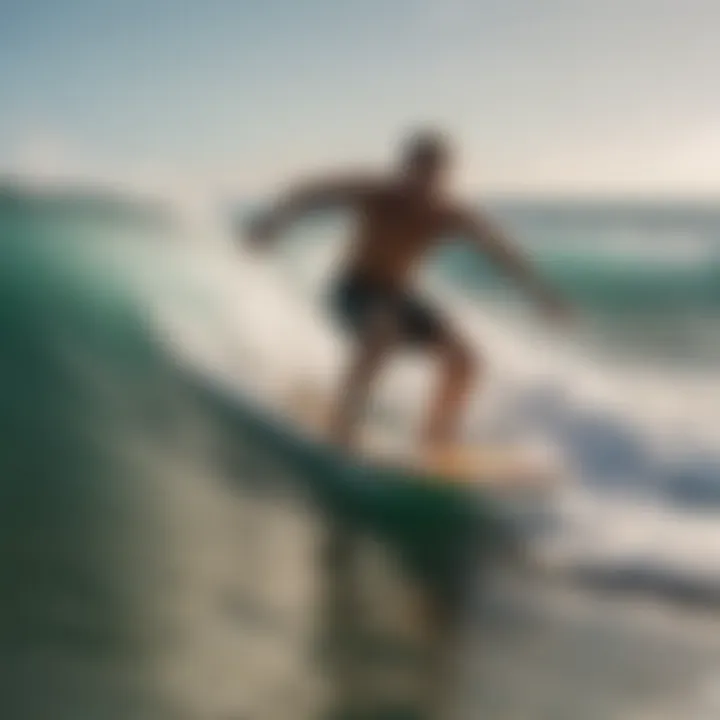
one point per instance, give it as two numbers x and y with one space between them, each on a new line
260 230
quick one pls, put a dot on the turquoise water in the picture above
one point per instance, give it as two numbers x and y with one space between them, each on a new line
648 277
127 546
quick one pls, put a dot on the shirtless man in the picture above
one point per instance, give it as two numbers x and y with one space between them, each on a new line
400 218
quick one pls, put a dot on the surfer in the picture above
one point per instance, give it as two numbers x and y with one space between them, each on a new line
399 218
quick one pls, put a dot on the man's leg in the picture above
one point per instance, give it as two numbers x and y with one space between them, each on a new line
458 368
369 354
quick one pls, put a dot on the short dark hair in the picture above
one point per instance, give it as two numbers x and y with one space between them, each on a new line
426 146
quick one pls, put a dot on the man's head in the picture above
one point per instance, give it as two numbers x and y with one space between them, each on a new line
425 159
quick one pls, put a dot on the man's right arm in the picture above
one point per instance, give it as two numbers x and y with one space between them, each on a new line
306 198
492 241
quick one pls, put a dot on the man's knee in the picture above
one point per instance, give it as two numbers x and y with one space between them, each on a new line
463 362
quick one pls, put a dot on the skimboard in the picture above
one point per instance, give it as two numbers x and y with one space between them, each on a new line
490 466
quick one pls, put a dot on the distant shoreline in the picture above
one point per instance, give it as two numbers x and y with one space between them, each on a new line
17 186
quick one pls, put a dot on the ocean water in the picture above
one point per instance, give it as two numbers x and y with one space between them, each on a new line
124 501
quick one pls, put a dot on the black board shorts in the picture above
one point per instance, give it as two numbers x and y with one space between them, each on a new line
356 301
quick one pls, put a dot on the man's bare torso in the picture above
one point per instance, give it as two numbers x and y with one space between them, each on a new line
395 228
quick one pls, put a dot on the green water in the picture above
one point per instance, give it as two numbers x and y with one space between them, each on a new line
163 554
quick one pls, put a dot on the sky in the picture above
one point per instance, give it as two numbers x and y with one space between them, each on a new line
551 97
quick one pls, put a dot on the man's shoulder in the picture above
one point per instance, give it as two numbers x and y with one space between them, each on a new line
352 181
453 211
365 177
373 187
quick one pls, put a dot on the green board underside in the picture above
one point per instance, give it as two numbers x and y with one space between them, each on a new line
434 527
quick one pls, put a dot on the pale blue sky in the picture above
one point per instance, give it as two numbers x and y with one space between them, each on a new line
547 95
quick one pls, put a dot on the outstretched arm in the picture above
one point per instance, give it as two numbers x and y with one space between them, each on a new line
492 241
305 198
